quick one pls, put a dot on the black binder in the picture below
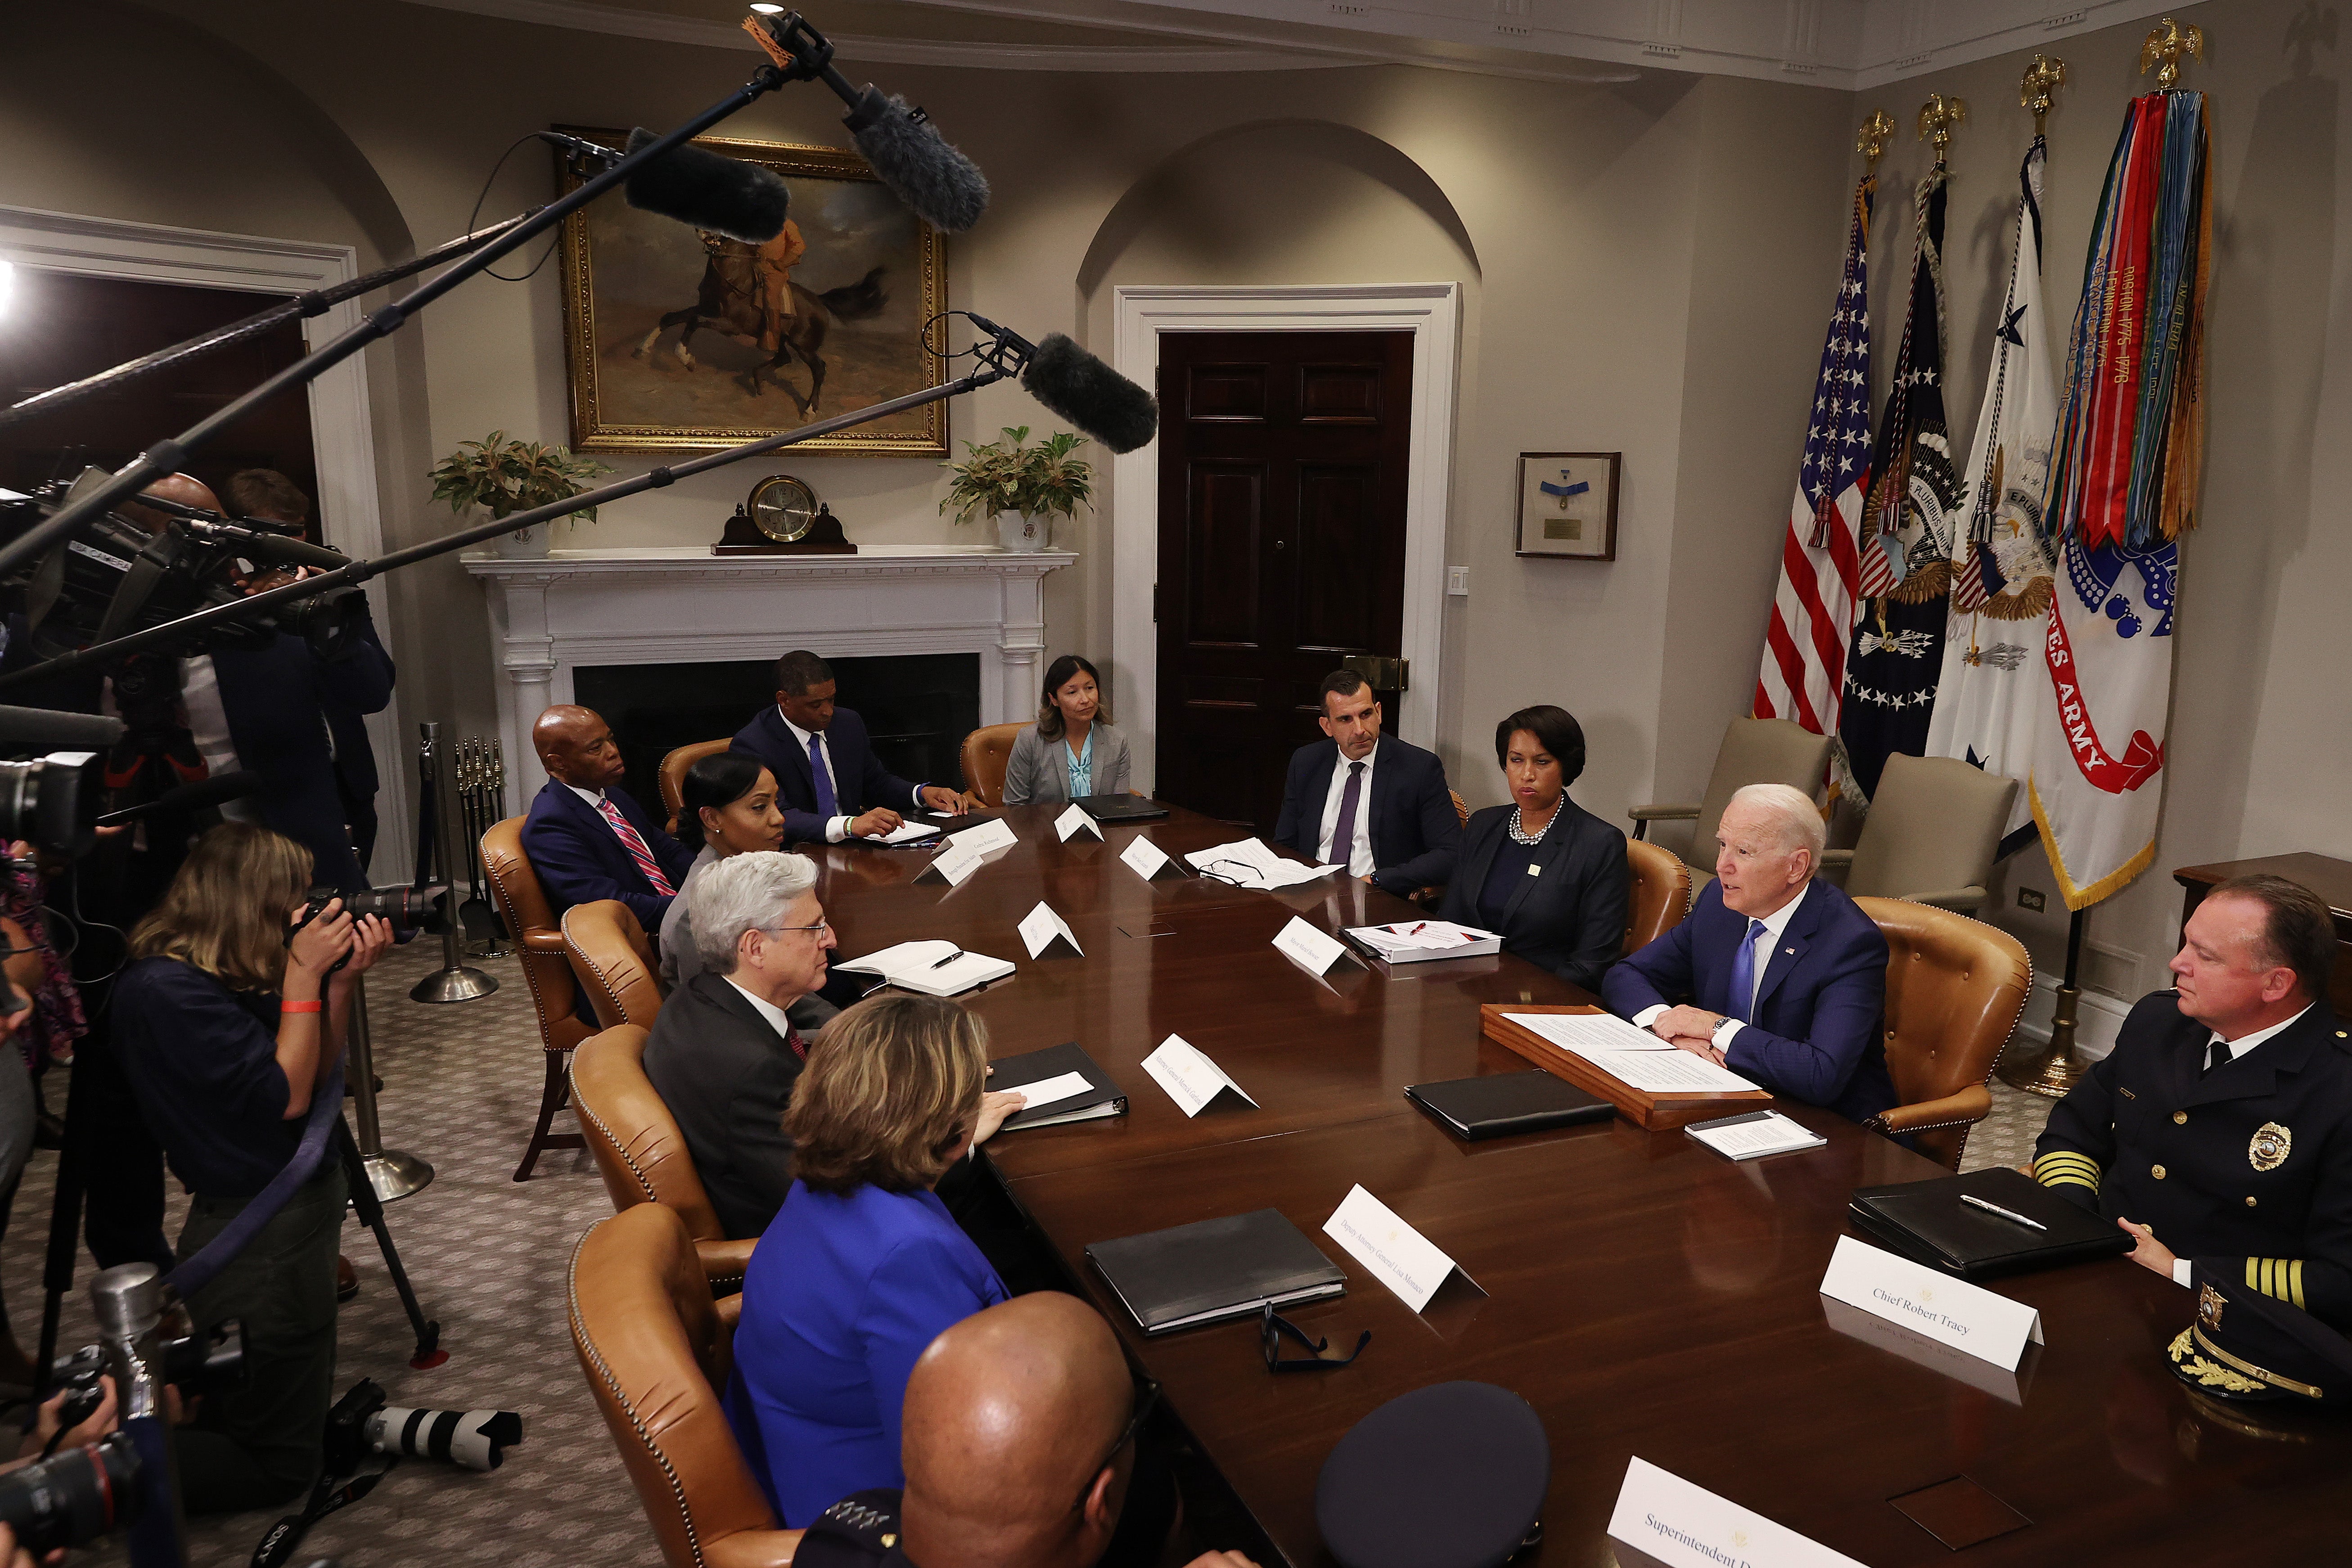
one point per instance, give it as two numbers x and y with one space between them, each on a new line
1120 807
1214 1270
1103 1096
1926 1221
1501 1104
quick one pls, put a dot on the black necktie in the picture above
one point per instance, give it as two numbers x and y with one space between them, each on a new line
2221 1055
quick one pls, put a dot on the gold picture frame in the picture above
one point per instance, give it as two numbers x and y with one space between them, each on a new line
1568 505
666 332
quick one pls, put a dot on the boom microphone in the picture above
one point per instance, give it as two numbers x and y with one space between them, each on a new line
708 190
44 728
1091 395
945 188
190 796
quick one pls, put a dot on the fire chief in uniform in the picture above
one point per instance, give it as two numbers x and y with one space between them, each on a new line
2219 1129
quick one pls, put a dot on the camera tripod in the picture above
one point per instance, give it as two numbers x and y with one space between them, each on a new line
65 1223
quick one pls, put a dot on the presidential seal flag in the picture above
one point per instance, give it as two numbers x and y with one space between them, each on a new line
1993 695
2123 488
1906 529
1804 673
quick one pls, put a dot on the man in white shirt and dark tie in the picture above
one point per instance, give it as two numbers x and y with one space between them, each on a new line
2218 1131
1370 801
829 783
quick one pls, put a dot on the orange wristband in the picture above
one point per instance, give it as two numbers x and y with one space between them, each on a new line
313 1005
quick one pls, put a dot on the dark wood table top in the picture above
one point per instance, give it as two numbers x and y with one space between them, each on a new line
2329 878
1647 1297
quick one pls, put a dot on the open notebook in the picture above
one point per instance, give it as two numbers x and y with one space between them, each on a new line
933 968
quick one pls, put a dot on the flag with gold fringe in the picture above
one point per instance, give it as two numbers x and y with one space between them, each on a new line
2123 488
1905 547
1993 695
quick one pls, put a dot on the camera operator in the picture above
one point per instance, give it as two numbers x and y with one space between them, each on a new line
225 1025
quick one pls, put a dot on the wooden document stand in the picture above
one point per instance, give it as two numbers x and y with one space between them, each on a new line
1655 1112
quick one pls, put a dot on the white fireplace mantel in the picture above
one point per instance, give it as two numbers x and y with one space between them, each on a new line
681 605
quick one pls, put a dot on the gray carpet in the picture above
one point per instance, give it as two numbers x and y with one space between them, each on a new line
487 1255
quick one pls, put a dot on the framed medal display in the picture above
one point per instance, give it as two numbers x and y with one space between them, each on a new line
1568 505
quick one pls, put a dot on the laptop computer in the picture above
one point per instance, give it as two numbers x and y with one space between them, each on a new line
1120 807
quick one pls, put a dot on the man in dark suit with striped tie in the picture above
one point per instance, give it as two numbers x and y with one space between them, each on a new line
588 839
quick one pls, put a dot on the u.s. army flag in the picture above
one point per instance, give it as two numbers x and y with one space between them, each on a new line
1993 693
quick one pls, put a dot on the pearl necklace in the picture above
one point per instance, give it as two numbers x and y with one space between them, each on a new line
1519 833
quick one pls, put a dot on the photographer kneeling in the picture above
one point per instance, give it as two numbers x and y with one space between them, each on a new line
226 1028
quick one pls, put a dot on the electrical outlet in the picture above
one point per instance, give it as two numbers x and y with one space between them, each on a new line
2029 899
1457 582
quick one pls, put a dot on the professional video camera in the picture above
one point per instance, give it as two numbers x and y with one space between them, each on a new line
73 1498
195 1365
110 576
52 802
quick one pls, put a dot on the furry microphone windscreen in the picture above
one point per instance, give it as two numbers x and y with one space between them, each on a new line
1091 395
945 188
707 190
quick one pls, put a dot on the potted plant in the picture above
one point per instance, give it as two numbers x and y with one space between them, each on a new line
503 477
1020 488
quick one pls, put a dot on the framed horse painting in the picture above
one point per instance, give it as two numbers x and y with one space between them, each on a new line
676 337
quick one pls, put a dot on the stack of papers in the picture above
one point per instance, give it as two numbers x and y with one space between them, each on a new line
1635 1057
933 968
1250 863
904 832
1417 942
1757 1133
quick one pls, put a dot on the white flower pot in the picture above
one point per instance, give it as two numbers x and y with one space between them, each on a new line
1025 532
530 544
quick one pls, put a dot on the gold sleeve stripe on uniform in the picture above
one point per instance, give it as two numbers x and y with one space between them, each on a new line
2294 1281
2064 1166
2278 1278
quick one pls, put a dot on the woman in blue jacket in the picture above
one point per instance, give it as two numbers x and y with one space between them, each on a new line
862 1266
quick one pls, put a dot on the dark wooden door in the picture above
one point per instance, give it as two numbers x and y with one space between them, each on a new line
1282 492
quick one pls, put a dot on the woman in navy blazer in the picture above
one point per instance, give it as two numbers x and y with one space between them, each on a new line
861 1267
1543 873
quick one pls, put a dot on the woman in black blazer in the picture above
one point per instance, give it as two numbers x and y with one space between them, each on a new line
1543 872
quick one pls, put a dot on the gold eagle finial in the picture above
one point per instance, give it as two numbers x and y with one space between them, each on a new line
2038 86
2166 43
1936 118
1871 141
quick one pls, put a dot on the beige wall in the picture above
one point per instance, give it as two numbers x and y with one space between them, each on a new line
1645 268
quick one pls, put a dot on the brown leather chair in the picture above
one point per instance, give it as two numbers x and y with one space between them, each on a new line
1662 893
546 969
639 1150
1461 808
672 775
613 961
1954 988
656 1352
986 751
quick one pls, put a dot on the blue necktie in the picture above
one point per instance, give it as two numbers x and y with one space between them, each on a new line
825 803
1743 974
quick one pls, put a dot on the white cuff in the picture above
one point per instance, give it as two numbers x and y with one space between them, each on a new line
915 795
2180 1272
1726 1032
1647 1016
836 828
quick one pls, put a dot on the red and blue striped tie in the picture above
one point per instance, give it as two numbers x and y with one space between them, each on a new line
636 847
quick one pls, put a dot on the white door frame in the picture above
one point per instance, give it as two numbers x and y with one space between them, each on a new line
343 433
1432 313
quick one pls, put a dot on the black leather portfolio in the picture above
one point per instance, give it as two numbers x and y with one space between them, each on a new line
1927 1221
1102 1097
1120 807
1503 1103
1213 1270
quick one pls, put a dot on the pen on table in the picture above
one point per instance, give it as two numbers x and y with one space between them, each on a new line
1418 927
1975 1202
950 958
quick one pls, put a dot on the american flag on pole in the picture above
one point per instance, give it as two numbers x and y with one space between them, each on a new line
1803 672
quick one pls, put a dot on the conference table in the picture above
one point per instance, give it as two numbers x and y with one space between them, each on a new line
1647 1297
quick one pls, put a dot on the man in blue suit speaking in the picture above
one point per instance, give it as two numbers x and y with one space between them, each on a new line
1779 977
829 783
1370 801
589 840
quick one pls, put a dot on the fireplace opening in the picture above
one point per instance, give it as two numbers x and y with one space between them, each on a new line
917 706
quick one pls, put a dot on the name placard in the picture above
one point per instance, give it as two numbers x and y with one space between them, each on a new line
1315 949
956 860
1190 1078
1041 928
1075 820
1399 1256
990 835
1927 1301
1664 1516
1144 858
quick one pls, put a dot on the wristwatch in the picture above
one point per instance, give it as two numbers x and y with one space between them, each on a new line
1715 1035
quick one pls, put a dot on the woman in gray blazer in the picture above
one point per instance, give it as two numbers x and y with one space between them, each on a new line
1071 750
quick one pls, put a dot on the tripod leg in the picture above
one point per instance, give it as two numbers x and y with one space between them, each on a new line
370 1210
65 1234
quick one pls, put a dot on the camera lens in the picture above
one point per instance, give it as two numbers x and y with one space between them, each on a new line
73 1498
